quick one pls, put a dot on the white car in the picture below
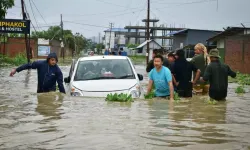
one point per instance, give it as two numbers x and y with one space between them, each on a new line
98 76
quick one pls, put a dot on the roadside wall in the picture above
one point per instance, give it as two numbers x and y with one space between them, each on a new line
15 46
237 53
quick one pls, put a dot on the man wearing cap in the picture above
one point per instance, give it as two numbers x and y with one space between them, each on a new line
217 74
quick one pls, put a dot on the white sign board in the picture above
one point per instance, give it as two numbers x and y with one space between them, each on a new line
43 42
181 45
43 50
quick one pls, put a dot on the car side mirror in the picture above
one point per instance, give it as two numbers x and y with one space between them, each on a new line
67 79
140 77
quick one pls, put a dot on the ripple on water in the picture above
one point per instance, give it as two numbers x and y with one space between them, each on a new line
54 121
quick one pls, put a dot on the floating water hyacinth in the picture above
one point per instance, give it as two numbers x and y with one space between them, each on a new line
119 97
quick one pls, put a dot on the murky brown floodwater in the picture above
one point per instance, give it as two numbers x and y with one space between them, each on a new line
54 121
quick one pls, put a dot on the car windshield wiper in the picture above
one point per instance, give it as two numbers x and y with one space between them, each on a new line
98 78
126 76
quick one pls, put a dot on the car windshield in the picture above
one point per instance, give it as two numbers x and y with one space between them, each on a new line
104 69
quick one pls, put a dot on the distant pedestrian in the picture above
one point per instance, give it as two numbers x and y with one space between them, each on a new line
150 65
48 74
182 71
201 60
160 76
217 74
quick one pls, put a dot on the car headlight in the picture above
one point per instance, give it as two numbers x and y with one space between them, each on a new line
75 92
135 91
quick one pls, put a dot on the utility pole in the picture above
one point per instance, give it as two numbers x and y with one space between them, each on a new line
111 26
62 41
99 37
148 34
26 38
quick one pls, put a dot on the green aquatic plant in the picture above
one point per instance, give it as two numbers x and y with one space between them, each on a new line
242 79
119 97
240 89
211 101
176 96
151 95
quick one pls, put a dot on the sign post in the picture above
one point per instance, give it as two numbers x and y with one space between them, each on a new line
16 26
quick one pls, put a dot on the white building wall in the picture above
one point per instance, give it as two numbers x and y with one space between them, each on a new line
112 39
152 46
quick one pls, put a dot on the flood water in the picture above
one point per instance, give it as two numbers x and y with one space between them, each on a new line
55 121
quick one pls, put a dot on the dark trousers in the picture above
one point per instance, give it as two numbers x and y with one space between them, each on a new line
218 94
185 90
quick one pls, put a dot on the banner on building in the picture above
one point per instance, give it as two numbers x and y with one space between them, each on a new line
43 50
43 41
14 26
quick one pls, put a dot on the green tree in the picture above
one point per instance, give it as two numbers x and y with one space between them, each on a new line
70 40
4 6
99 47
132 45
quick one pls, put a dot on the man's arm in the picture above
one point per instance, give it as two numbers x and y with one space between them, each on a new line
33 65
60 81
150 66
150 84
171 89
207 74
231 73
197 74
174 80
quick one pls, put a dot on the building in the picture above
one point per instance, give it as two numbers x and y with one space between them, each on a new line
116 37
188 38
142 48
157 33
234 47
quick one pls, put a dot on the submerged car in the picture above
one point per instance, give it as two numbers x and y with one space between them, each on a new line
98 76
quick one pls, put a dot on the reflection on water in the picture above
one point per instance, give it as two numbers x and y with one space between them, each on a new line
48 104
55 121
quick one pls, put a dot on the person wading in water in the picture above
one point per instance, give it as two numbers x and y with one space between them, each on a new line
161 78
182 71
201 60
48 74
217 74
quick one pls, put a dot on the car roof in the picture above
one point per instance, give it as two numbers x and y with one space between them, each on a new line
102 57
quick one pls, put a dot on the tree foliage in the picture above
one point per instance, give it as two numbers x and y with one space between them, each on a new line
99 47
4 6
74 41
132 45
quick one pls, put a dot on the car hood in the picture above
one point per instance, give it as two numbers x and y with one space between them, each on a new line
105 85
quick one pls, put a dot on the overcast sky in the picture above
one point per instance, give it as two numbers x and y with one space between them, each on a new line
91 17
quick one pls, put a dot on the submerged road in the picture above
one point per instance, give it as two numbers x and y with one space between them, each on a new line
55 121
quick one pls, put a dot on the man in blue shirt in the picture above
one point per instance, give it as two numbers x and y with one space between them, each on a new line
161 77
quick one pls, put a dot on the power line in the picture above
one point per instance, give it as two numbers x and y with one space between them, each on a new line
102 13
188 3
140 12
38 11
86 24
33 13
111 3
